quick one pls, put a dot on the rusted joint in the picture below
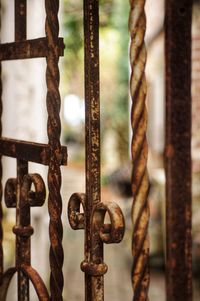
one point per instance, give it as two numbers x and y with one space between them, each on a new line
113 232
93 269
23 231
76 218
101 232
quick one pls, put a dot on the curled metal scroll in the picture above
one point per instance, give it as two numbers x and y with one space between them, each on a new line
32 193
101 232
75 217
33 198
114 231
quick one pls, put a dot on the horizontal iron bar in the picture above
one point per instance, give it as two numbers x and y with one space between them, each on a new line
30 151
27 49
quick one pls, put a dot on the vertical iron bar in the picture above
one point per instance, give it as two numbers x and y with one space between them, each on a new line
54 131
20 20
22 168
93 285
139 151
1 209
178 149
23 281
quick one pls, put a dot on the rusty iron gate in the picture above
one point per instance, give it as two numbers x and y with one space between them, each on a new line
18 191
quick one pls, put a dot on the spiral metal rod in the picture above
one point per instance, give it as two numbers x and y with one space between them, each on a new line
139 149
1 210
54 130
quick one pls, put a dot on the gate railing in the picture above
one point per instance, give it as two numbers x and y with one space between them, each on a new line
92 220
18 193
177 151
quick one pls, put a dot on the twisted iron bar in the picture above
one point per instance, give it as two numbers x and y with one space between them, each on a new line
1 188
139 149
54 131
1 209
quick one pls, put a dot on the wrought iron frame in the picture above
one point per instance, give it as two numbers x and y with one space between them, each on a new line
18 193
178 18
92 220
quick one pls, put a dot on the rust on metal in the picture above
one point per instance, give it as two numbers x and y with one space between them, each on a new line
6 279
29 48
139 150
92 218
1 189
22 247
178 149
20 19
30 151
37 282
18 194
92 134
18 191
54 131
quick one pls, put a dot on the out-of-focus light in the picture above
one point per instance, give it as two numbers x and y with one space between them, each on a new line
74 111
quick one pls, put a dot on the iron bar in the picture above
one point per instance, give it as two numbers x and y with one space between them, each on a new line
92 219
178 149
18 191
30 151
54 131
92 140
139 150
20 34
19 195
27 49
23 281
1 188
20 20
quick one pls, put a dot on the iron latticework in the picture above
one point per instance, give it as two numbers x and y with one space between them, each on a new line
92 220
18 191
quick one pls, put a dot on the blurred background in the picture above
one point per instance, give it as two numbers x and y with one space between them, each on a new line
25 117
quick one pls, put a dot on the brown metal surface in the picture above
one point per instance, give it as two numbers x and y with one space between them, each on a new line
92 135
25 49
20 20
30 151
139 150
178 149
92 218
54 131
1 189
22 245
22 166
18 193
